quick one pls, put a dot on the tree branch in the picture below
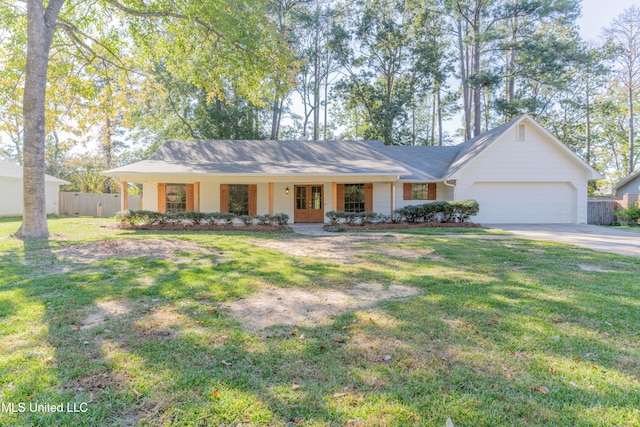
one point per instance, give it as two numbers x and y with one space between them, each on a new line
167 14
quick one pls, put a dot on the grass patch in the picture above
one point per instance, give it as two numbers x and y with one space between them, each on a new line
504 332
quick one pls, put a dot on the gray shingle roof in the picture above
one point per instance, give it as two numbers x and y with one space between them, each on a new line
255 157
424 163
13 171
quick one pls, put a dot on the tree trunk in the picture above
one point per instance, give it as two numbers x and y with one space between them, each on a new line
477 90
439 110
588 118
465 84
631 132
41 25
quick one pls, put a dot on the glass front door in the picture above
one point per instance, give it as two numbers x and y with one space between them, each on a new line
309 203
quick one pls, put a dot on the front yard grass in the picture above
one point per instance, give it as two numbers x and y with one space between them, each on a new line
502 332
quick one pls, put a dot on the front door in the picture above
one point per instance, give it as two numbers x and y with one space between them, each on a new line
309 203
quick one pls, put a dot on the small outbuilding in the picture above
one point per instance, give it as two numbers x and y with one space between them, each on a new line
11 187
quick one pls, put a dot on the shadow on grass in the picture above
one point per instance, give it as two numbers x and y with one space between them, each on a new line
164 353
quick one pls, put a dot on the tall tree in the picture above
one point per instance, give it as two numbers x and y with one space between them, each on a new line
239 29
623 36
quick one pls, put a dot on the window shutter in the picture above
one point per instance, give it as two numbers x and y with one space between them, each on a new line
431 191
162 197
340 197
189 189
406 191
368 197
224 197
253 199
196 196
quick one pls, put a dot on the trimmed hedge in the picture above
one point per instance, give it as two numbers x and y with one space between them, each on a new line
444 212
196 218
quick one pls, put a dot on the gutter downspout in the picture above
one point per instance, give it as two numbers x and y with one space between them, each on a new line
451 185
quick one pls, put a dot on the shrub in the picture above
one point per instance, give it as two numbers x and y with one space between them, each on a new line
263 219
280 219
196 217
246 219
631 215
464 209
333 217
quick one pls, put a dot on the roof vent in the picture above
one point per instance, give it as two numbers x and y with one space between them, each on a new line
521 132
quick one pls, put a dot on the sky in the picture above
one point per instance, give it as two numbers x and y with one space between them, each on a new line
597 14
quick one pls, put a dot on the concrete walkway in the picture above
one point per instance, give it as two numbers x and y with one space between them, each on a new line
603 239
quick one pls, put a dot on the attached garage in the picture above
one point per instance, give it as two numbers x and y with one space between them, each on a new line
525 202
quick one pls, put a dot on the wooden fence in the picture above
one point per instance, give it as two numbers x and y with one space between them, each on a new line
600 211
86 204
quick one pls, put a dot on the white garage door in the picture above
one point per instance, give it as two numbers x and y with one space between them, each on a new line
524 202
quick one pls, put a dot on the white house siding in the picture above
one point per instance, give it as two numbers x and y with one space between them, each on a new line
282 202
530 181
443 193
631 187
12 199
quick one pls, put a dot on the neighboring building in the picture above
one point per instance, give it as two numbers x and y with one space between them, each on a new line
627 191
11 190
518 172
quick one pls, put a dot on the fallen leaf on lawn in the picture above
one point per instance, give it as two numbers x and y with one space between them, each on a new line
90 400
302 336
339 394
449 423
210 311
295 386
595 367
225 363
215 395
573 384
137 393
577 359
552 370
339 340
507 375
387 357
542 389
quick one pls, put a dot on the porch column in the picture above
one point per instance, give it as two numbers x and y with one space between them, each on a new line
392 186
271 198
334 196
125 196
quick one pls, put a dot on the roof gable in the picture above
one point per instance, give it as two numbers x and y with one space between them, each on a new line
471 149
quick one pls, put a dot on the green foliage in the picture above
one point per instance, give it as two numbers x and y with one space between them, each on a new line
454 211
142 217
631 215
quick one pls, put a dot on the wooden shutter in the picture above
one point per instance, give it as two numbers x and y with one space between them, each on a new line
406 191
224 197
340 198
162 197
189 207
431 191
196 196
253 199
368 197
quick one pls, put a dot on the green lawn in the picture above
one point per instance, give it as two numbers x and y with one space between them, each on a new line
502 332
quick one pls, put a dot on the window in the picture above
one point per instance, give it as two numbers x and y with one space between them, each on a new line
239 199
176 197
419 191
354 197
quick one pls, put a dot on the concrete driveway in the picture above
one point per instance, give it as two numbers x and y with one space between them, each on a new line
604 239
